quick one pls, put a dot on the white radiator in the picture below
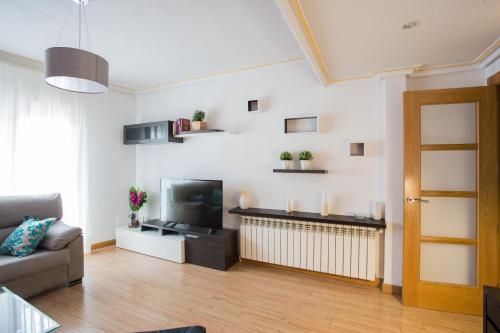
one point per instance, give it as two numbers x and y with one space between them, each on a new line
329 248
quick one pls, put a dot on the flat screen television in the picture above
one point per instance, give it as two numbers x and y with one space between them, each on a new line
192 202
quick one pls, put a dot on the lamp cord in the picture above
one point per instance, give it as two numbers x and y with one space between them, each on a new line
79 25
86 27
64 24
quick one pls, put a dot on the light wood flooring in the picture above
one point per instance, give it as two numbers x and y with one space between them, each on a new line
125 292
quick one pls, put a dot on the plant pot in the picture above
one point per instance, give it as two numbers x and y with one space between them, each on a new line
198 125
305 164
285 164
134 220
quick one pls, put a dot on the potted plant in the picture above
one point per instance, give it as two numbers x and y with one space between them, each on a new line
136 199
305 158
197 122
286 160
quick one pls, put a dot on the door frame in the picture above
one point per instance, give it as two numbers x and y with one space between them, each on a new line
494 80
440 296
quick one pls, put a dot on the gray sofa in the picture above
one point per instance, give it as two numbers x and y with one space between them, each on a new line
58 259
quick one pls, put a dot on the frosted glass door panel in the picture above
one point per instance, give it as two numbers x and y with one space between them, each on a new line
453 170
448 123
448 217
448 263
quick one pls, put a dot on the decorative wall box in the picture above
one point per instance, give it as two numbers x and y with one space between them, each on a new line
253 105
357 149
305 125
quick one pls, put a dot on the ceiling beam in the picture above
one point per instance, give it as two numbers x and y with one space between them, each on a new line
292 12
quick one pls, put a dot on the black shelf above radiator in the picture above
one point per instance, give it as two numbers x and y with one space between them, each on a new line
320 171
310 217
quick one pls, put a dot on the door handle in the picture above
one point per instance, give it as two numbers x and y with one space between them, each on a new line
413 200
192 236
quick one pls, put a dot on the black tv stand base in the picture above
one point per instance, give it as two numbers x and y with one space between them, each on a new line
213 248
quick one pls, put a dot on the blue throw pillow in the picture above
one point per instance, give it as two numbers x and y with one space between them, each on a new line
25 238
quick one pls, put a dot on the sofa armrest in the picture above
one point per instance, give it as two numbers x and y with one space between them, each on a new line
59 235
75 268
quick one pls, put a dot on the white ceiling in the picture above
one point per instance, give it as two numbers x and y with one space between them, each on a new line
357 37
154 42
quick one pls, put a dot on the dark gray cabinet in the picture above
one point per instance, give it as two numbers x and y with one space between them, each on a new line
491 310
150 133
219 250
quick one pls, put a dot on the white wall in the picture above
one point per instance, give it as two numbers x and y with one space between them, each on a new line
393 88
471 78
111 163
244 160
363 110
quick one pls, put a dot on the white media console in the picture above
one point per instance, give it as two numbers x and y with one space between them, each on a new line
152 243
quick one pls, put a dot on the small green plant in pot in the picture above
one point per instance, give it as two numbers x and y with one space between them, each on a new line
286 160
305 158
197 121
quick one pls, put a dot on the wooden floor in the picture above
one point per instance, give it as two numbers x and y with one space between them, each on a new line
125 292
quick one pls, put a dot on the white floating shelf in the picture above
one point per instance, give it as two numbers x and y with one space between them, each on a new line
187 134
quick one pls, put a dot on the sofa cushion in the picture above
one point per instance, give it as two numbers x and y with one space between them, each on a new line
59 235
14 208
13 268
24 240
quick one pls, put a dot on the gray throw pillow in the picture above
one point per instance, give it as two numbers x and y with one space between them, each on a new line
59 235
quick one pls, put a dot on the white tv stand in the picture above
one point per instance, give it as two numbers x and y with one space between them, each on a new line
152 243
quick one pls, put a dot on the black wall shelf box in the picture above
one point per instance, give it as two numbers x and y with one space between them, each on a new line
253 106
150 133
300 171
304 125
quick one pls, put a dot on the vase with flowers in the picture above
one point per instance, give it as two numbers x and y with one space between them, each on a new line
136 200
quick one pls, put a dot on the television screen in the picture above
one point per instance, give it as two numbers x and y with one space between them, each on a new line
192 202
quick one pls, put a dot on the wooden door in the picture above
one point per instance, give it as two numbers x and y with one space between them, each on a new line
451 198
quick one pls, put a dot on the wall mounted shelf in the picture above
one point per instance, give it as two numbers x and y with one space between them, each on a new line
320 171
186 134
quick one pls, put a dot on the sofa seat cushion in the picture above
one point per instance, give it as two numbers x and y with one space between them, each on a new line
59 235
13 268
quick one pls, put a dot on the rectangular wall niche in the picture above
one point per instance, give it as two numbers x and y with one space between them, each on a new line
253 106
357 149
309 124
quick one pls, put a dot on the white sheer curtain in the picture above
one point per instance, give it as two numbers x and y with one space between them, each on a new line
42 141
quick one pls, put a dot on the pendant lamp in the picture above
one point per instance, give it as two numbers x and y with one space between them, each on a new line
75 69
